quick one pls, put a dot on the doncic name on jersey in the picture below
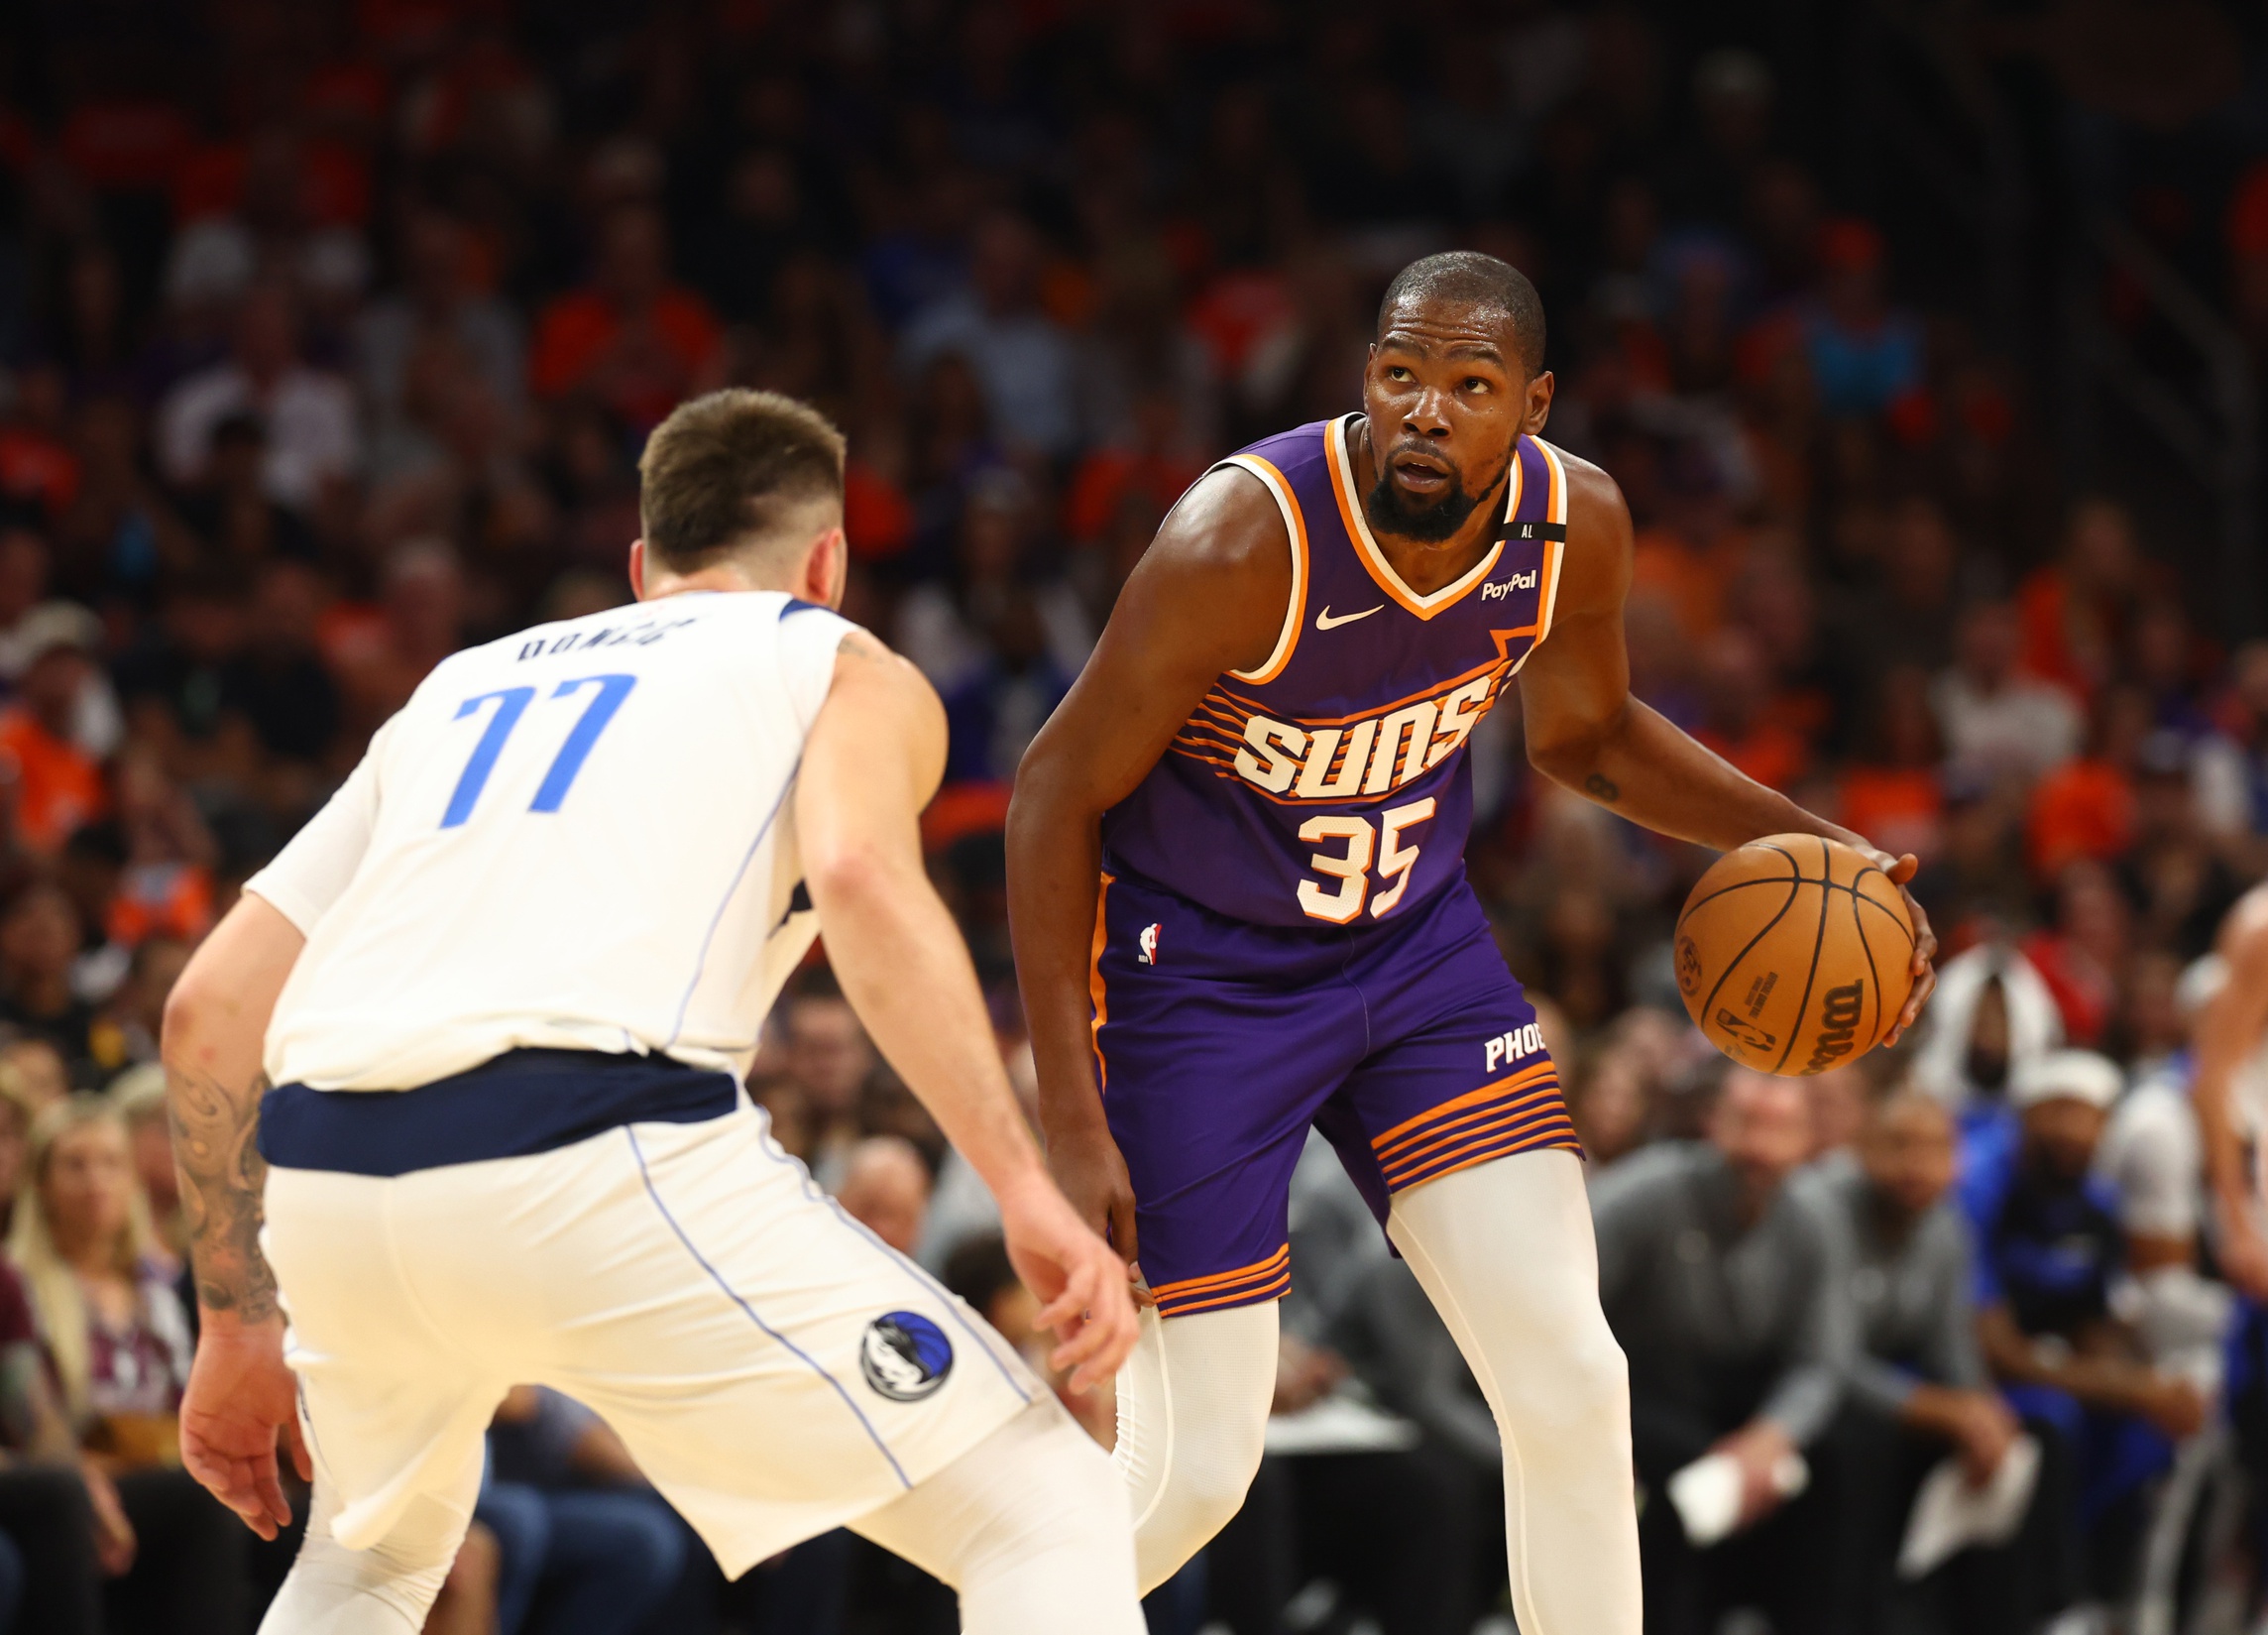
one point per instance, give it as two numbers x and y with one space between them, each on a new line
904 1355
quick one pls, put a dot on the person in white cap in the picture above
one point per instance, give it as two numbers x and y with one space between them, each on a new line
2230 1091
2049 1247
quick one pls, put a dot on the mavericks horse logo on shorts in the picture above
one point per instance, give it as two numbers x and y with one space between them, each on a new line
904 1355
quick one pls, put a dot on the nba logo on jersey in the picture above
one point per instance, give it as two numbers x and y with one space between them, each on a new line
904 1355
1149 942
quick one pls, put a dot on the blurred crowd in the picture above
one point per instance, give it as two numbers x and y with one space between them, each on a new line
330 331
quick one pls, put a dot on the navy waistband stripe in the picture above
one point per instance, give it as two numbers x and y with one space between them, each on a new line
521 1103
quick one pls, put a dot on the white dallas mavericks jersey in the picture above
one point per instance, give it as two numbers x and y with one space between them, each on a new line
579 837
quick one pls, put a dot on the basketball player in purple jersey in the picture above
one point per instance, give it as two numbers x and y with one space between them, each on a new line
1263 766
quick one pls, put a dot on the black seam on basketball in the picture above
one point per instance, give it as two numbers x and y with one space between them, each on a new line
1826 876
1896 919
1699 904
1793 886
1873 969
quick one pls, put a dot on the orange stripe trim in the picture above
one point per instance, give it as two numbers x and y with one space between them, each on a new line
1502 1087
1295 525
1531 1126
1568 1145
1438 689
1373 560
1095 984
1509 1123
1197 1285
1248 1297
1417 1158
1457 1126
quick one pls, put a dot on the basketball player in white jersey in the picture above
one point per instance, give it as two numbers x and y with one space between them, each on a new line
2230 1091
504 987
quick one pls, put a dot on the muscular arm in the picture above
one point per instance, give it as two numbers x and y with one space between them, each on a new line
873 760
1208 597
1586 732
2228 1030
870 764
240 1395
216 1020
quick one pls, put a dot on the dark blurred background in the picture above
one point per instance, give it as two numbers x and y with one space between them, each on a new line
1924 338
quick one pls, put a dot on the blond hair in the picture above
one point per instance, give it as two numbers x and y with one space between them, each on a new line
50 1280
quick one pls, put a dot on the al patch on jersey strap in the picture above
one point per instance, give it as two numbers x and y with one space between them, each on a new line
904 1356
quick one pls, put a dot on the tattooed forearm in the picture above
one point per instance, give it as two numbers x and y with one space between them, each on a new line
223 1177
1601 787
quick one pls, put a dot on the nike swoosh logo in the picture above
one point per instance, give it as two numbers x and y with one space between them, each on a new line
1324 621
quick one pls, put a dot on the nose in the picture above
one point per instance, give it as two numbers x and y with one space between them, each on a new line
1428 414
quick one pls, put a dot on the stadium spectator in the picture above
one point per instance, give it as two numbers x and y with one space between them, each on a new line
632 341
885 1187
57 783
312 439
1722 1278
1919 1391
61 1528
828 1060
1999 723
1022 357
2049 1246
118 1342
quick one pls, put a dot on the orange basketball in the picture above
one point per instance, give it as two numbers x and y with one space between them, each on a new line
1794 954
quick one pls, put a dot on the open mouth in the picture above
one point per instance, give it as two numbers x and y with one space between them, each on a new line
1420 474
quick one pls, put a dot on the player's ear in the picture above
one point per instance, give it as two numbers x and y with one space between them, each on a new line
1539 390
638 570
827 570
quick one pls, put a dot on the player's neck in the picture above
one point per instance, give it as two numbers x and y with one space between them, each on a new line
720 576
1425 565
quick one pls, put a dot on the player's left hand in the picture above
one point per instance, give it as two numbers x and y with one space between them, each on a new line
1900 871
241 1397
1079 1278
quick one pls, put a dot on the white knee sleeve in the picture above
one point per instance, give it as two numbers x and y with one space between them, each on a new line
1192 1415
386 1589
1505 1249
1029 1526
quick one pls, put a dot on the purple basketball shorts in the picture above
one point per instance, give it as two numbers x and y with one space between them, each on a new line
1409 1045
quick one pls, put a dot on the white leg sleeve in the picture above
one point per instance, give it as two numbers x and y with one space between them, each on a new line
1193 1412
1029 1526
1506 1251
386 1589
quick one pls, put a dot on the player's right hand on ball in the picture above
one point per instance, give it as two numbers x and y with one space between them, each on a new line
1081 1283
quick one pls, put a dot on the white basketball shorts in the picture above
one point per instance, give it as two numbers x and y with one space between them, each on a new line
775 1370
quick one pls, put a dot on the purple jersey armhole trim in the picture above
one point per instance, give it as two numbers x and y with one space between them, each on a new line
1296 530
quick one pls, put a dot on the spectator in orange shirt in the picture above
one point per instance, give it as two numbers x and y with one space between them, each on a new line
56 785
2075 609
1895 796
2085 808
633 340
1736 717
1157 465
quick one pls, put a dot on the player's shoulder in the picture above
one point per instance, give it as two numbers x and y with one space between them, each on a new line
1229 522
1589 485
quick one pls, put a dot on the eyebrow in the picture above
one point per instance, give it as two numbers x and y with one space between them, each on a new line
1454 349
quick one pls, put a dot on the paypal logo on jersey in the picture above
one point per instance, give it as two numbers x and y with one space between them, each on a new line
904 1355
1496 590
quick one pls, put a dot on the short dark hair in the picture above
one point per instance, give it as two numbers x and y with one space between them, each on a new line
728 471
1469 276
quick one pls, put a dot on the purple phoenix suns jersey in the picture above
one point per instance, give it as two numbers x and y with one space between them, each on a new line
1330 786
